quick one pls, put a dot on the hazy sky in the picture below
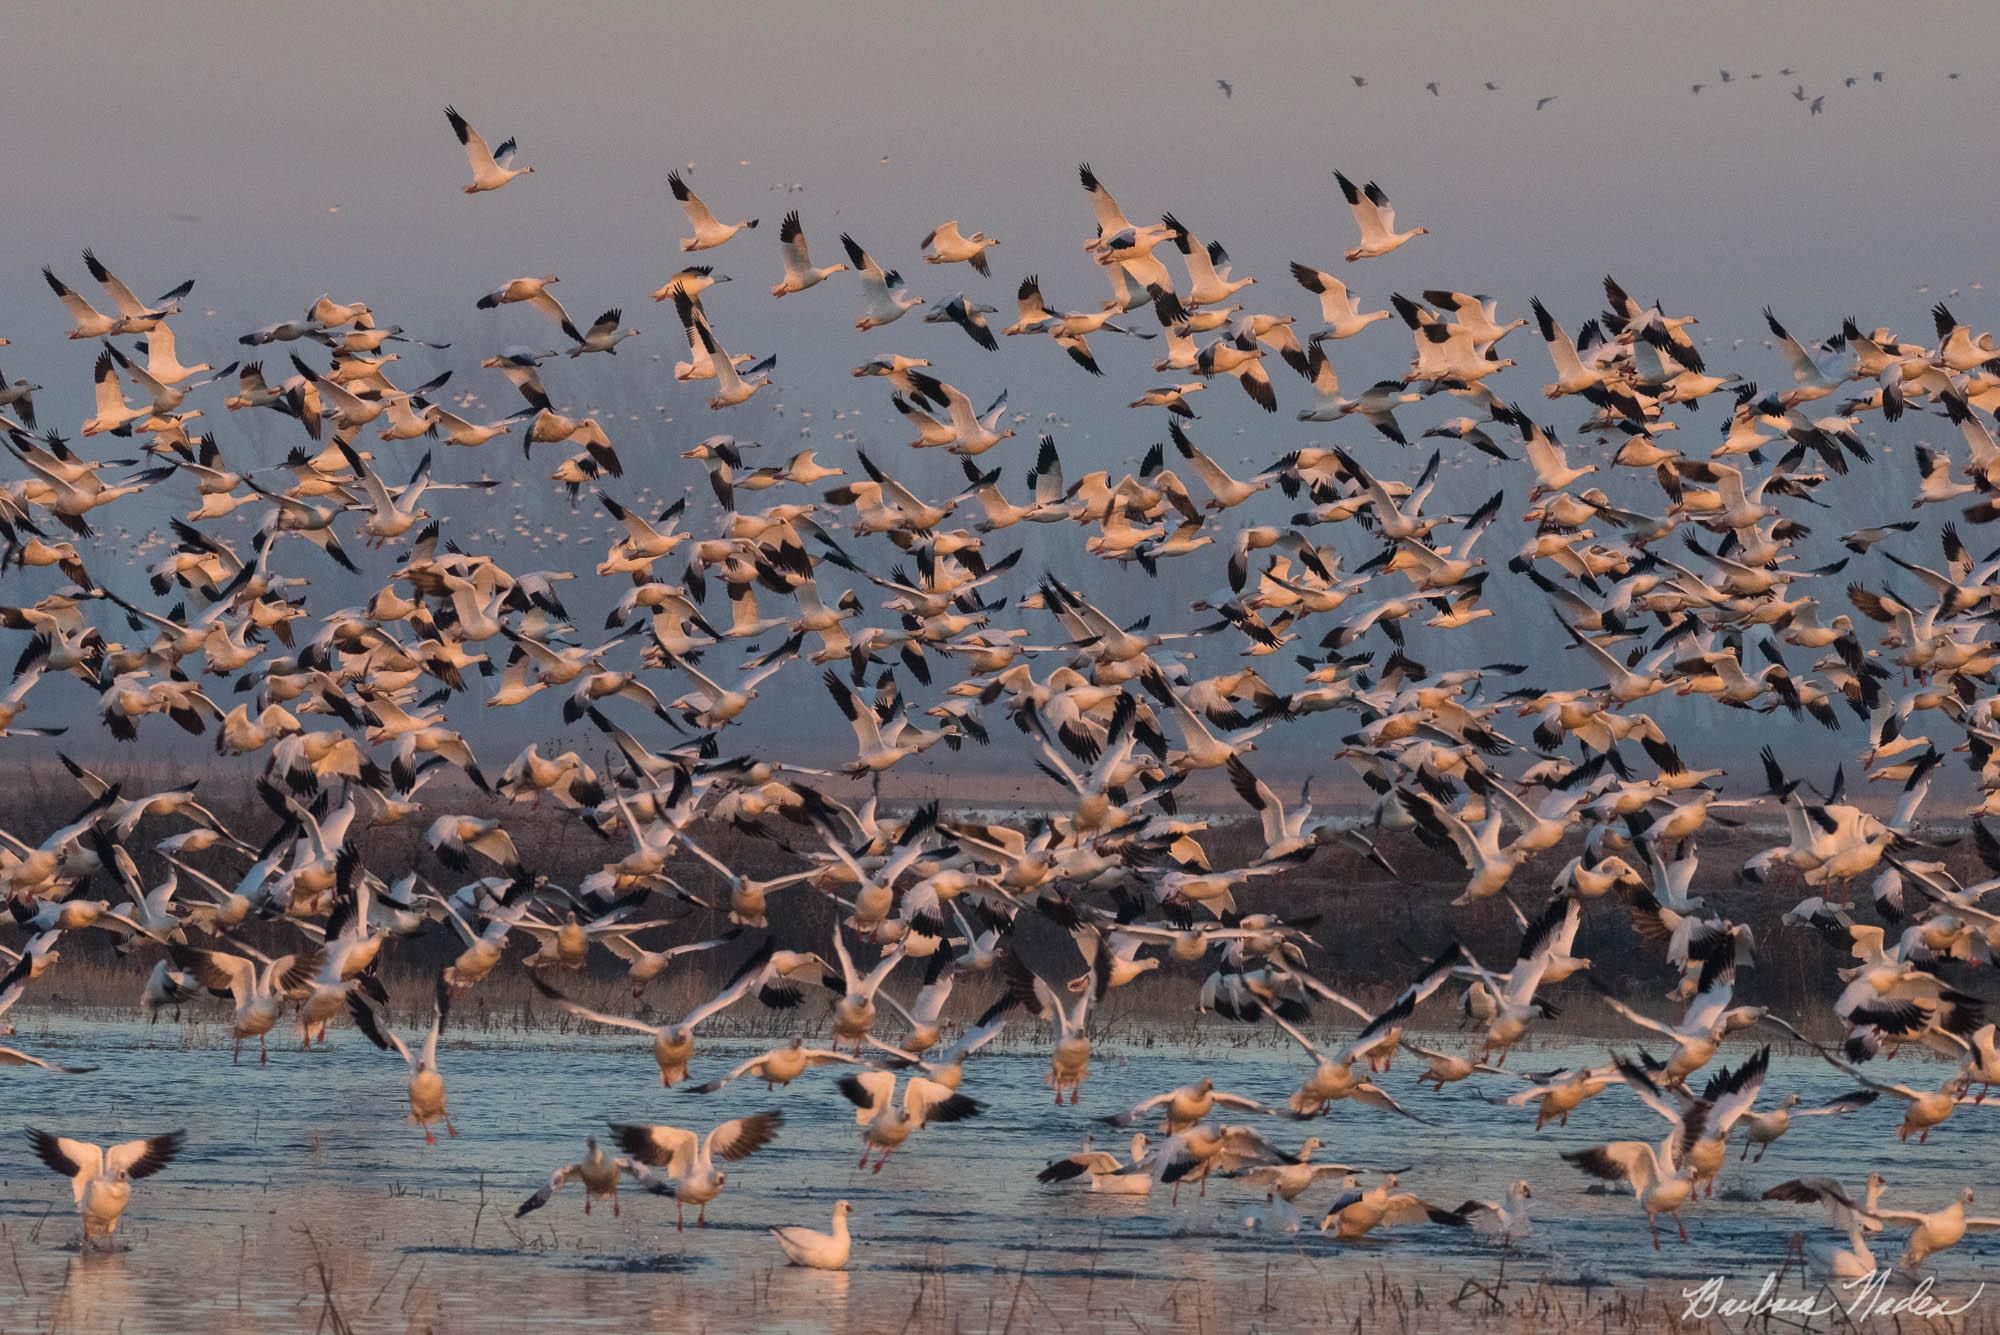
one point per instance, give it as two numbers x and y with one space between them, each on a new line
274 154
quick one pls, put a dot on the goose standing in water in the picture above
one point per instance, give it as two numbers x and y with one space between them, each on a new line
1661 1178
491 168
427 1103
689 1157
259 993
814 1250
101 1178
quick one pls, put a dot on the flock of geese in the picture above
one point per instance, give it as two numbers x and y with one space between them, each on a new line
1671 560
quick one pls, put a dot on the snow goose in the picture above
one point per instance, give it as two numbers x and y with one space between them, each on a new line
1343 319
1109 1174
888 300
86 319
535 292
1209 282
945 244
1765 1128
1289 1181
1505 1219
708 232
259 993
1184 1107
731 388
884 1124
1377 219
604 334
799 271
689 1157
491 168
1856 1219
1660 1179
968 315
426 1091
815 1250
972 432
780 1066
1355 1213
1936 1230
1069 1062
1376 406
599 1172
101 1177
134 316
673 1045
1197 1153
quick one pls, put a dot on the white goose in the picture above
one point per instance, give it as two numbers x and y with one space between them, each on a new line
689 1157
427 1093
491 168
815 1250
888 300
708 231
101 1178
799 271
1336 304
1377 220
945 244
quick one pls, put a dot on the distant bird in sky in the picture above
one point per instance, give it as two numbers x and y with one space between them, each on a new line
1431 88
1541 102
1224 85
1360 82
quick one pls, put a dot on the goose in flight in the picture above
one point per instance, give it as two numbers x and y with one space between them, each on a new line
815 1250
1355 1213
885 1124
780 1066
1187 1106
427 1093
799 271
1660 1177
1336 304
945 244
673 1045
604 334
690 1157
599 1172
731 388
888 300
491 168
1933 1231
1377 220
535 292
708 232
101 1177
134 316
259 992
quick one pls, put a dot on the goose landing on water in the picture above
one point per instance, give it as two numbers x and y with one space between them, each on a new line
101 1179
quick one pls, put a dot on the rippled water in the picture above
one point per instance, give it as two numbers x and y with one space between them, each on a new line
421 1237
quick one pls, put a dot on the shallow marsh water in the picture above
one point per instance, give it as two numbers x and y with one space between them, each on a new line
304 1196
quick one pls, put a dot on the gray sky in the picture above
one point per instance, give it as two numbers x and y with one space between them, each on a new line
277 156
